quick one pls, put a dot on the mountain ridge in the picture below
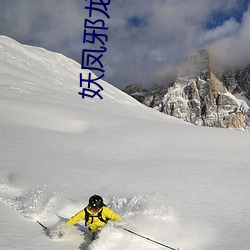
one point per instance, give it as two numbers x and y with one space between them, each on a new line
200 95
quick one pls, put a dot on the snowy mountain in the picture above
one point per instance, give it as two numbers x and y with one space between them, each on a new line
201 95
182 185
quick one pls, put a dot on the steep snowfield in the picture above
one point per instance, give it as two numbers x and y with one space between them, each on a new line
179 184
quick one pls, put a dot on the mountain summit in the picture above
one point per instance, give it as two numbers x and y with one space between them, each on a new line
201 96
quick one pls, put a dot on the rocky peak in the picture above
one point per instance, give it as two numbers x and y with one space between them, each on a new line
197 64
136 90
201 97
133 88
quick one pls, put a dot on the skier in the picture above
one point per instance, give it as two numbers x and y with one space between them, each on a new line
95 214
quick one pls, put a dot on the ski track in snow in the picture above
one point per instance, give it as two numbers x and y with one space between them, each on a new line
145 214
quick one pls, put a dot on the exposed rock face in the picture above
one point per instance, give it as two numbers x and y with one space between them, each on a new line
199 97
136 90
237 81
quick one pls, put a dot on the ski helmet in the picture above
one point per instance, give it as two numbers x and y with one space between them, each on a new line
95 202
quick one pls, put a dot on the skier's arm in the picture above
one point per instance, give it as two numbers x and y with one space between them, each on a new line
77 217
110 214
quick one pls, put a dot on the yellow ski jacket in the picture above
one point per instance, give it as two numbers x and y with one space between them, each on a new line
94 223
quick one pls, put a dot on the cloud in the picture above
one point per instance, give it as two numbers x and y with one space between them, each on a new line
228 28
52 24
146 38
171 31
233 49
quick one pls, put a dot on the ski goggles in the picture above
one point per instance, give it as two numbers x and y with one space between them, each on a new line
94 208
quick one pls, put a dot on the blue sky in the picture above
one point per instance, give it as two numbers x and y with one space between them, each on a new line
136 21
218 17
146 39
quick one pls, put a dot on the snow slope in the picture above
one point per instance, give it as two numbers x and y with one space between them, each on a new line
176 183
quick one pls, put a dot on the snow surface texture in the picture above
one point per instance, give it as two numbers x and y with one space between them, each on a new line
181 185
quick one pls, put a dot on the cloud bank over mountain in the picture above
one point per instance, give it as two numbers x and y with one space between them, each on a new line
146 38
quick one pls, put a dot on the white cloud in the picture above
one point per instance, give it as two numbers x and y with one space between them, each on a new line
228 28
233 50
170 30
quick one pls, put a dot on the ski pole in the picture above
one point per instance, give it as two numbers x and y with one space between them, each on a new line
45 228
146 238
